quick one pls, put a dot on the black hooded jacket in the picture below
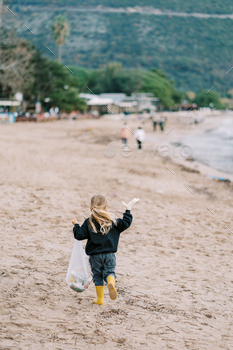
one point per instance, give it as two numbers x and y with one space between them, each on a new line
97 243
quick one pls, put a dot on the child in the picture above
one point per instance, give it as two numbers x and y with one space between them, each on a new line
102 232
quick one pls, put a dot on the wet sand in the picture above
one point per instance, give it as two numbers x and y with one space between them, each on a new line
180 131
174 264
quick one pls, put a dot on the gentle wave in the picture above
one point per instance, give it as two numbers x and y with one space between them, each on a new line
214 147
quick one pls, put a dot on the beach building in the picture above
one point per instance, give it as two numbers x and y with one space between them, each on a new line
185 106
102 105
116 97
120 104
87 97
145 101
7 108
117 103
96 104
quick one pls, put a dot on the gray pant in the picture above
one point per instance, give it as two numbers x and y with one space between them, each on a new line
102 266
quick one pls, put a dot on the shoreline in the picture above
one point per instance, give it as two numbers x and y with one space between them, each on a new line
208 123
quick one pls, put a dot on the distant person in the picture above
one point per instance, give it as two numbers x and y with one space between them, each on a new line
155 119
139 135
162 123
125 135
126 116
51 111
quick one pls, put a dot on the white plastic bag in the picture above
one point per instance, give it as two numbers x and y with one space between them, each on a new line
78 275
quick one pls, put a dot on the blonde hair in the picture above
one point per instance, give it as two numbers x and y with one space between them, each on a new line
104 218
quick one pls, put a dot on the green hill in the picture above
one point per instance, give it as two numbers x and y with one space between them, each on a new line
195 52
199 6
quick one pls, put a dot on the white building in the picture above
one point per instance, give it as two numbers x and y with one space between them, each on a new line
116 103
145 100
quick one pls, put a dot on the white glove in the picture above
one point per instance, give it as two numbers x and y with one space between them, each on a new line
130 204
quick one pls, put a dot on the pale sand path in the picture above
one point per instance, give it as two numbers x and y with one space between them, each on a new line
174 265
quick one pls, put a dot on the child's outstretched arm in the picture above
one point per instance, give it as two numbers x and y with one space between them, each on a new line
80 232
123 224
130 204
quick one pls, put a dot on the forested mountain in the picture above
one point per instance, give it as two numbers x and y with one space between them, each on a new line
209 6
195 52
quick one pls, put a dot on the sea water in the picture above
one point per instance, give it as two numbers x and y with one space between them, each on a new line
214 147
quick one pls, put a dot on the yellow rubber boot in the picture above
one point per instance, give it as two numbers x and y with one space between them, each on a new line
111 287
100 295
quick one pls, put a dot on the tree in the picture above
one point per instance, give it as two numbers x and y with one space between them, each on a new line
53 80
112 78
67 100
159 72
208 99
60 30
130 80
157 83
16 69
83 77
107 78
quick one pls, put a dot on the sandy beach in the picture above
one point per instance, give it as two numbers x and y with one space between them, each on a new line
174 264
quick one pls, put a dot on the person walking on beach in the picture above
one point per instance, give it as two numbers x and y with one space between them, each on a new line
154 122
139 135
155 119
162 123
125 134
102 231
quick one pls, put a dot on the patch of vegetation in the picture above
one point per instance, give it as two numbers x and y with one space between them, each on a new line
113 78
199 6
208 99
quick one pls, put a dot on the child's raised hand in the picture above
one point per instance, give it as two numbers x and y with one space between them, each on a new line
130 204
74 221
